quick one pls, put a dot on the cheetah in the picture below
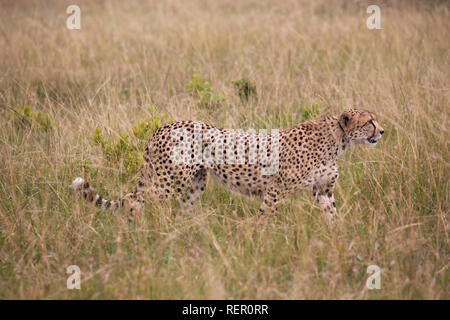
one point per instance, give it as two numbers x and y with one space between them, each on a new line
304 158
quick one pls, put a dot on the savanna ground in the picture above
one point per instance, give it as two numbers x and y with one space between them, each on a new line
77 103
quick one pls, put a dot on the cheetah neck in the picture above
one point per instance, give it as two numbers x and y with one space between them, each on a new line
342 143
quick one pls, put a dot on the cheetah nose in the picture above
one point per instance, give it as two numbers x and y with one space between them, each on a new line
381 132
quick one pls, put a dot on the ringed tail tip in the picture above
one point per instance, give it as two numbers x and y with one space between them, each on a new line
77 184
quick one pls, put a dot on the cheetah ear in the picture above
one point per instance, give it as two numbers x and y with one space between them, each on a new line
345 120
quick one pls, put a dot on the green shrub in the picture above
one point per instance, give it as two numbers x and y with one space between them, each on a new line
26 118
129 148
246 89
310 112
201 89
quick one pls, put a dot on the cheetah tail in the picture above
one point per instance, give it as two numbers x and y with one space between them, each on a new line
82 187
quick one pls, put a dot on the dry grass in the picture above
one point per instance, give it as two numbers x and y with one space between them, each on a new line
393 199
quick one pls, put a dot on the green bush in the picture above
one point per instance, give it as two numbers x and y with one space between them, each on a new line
26 118
246 90
129 148
310 112
201 89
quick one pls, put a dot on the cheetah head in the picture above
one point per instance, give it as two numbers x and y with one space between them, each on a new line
360 127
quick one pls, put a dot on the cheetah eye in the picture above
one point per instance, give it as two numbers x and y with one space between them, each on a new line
370 122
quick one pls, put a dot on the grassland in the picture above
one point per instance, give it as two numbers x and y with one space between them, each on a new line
57 86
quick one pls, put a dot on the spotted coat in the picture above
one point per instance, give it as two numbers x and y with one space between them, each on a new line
307 159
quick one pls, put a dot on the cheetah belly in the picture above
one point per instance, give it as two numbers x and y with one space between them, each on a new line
245 179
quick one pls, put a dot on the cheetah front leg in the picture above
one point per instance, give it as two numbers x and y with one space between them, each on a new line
324 195
271 199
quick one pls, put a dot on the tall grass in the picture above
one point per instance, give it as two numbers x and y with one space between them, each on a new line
393 200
